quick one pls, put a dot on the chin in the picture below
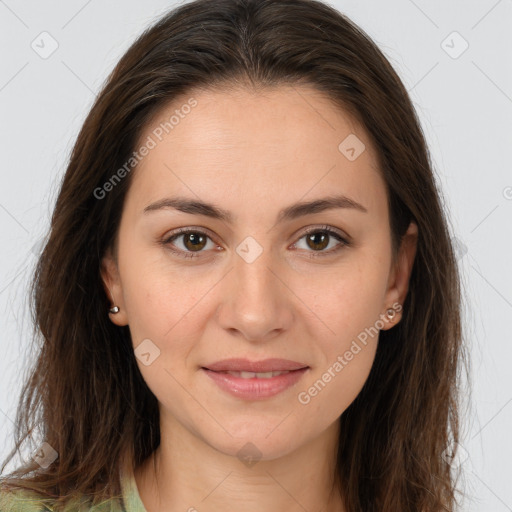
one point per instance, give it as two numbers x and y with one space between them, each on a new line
253 442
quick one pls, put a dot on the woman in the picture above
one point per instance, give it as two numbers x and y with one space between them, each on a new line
249 298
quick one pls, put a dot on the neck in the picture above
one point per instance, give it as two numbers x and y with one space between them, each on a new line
187 474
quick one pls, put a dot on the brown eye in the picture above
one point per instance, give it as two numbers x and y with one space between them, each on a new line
188 243
317 241
194 241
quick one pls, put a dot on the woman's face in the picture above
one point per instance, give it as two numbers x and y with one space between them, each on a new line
254 285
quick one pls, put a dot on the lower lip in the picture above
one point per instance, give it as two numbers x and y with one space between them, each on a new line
255 389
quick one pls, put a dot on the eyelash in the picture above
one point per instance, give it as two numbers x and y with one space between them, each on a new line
314 254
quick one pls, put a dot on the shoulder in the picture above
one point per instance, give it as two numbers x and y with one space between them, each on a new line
22 500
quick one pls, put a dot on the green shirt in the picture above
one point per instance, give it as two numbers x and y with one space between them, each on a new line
28 501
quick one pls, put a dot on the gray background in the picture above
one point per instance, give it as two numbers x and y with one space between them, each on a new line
464 100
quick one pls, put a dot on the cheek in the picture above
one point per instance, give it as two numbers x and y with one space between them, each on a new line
351 300
164 310
167 309
332 389
351 313
349 309
159 297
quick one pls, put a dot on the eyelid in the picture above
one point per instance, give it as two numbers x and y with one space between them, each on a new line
304 231
188 229
312 229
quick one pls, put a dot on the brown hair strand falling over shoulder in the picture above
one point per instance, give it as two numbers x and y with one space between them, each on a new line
85 392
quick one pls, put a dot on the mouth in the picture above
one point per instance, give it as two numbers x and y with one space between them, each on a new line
247 366
248 385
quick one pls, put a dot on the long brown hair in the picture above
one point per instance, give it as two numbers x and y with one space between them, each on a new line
85 393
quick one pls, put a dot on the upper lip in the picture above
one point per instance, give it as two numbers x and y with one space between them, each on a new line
266 365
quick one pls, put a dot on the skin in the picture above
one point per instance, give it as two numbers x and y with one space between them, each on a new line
253 153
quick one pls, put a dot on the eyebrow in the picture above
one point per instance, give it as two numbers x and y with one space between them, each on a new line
196 207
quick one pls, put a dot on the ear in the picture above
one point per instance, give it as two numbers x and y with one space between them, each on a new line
113 288
398 284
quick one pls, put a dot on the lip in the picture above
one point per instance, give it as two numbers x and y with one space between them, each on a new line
255 388
265 365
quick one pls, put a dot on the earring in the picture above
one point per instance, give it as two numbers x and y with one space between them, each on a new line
113 309
391 313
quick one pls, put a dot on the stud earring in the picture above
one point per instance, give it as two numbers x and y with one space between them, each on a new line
113 309
391 313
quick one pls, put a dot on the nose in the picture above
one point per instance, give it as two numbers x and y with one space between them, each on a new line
256 303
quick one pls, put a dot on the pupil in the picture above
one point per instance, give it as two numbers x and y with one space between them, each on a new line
195 239
323 237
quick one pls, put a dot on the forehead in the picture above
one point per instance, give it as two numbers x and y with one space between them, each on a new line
280 117
287 140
